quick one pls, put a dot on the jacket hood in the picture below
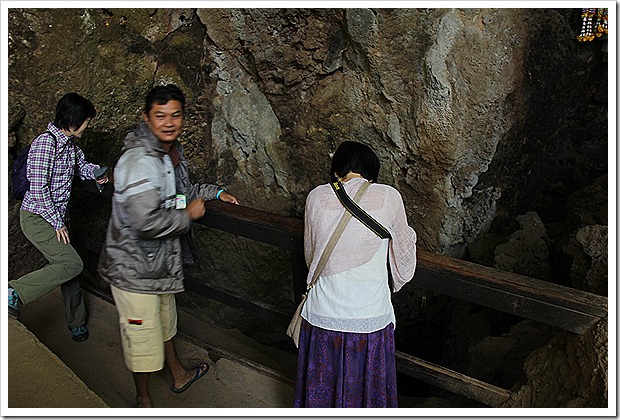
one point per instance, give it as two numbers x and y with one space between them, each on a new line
142 137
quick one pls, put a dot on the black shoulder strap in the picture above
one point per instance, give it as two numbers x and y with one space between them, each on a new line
358 212
55 139
55 147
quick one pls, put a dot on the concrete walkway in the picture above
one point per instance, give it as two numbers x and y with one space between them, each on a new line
50 374
48 369
33 371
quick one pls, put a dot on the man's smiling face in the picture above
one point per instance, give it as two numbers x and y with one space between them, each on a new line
165 120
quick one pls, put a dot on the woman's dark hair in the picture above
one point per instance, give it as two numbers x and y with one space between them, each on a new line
352 156
72 110
160 95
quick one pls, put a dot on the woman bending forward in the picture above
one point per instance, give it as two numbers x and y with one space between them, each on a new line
346 347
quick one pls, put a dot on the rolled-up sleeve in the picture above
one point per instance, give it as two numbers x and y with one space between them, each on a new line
85 169
205 191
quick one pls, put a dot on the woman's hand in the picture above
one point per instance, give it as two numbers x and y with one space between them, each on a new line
62 235
228 198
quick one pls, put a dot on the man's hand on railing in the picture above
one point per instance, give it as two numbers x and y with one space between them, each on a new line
228 198
196 208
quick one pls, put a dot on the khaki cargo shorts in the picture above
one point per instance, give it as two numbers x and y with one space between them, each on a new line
146 321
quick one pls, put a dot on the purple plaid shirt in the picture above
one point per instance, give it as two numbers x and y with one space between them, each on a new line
52 164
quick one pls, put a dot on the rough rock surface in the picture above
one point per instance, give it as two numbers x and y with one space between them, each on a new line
526 251
478 116
594 240
567 372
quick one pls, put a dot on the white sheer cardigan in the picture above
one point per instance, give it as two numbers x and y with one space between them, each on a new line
352 293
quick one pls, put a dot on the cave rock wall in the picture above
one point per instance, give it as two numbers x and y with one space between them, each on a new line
478 115
272 92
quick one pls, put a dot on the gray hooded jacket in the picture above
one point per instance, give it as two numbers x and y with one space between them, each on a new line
148 239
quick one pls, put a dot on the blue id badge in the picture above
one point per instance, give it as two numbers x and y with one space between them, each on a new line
181 202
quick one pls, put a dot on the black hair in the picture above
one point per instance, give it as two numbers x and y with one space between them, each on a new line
160 95
72 110
352 156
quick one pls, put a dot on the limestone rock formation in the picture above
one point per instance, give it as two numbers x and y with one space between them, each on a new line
479 115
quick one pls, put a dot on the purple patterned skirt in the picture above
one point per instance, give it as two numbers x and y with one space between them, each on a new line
339 369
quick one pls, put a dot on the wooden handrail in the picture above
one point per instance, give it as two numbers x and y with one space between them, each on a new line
556 305
559 306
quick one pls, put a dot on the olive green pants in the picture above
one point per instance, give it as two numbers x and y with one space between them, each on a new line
63 267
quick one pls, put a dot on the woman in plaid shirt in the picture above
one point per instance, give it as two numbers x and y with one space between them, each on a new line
53 161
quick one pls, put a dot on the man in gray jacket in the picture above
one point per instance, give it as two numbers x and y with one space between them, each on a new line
149 238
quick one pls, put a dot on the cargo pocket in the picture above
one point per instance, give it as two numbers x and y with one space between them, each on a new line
143 347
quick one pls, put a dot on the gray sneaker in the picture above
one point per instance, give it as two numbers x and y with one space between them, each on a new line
79 333
13 303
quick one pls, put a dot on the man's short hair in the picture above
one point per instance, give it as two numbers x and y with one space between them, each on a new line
160 95
352 156
72 110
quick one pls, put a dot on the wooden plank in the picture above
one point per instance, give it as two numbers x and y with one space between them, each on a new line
450 380
529 307
281 231
291 225
448 267
255 308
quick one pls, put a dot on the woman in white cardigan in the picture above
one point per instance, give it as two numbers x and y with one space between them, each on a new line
346 348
